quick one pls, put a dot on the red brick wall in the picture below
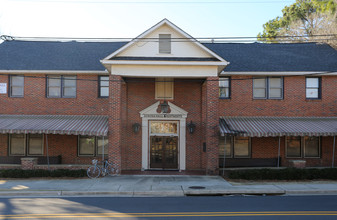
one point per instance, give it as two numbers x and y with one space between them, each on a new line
293 104
212 124
115 121
35 101
267 147
140 95
3 145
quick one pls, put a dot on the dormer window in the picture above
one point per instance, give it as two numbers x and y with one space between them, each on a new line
164 43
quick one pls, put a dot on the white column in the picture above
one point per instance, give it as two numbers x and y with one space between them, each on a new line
145 144
182 144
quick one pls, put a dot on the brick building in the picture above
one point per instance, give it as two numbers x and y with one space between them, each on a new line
164 101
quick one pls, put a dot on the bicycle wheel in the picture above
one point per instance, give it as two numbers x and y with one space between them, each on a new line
93 172
111 170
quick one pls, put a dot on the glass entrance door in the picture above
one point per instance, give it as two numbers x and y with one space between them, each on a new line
164 152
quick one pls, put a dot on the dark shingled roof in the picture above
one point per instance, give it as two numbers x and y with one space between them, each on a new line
276 57
86 56
50 55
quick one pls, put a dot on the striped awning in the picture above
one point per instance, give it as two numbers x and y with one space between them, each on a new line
54 124
278 126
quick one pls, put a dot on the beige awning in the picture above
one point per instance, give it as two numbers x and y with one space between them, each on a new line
54 124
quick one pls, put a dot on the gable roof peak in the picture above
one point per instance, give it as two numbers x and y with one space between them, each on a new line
174 27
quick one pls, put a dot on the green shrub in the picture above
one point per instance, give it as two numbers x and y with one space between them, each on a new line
283 174
18 173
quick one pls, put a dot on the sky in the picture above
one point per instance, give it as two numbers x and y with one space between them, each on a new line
129 18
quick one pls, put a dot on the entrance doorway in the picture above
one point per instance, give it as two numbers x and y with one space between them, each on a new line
164 152
163 146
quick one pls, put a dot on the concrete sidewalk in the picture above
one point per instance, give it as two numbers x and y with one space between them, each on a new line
141 185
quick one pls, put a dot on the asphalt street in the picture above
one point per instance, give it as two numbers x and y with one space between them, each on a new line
216 207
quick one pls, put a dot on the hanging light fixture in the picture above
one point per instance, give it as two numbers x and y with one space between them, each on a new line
164 107
136 127
191 127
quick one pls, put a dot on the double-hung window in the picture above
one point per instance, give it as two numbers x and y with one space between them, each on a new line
235 147
103 90
16 85
61 86
224 88
268 88
22 144
92 146
306 147
313 87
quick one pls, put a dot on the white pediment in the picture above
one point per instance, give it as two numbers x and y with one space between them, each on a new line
151 112
182 44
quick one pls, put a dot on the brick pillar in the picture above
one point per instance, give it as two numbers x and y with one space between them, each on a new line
28 163
115 121
212 125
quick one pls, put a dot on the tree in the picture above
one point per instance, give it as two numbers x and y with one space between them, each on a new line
302 22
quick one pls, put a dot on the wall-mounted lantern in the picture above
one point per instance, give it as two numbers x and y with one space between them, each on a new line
136 127
191 127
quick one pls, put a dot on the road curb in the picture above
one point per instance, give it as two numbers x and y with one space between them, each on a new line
173 193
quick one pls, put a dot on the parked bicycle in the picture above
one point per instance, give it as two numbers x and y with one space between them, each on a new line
105 169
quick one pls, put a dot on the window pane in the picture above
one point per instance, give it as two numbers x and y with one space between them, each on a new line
224 82
275 82
87 145
260 83
54 92
224 92
312 82
241 147
17 80
259 93
312 93
17 144
35 144
311 146
226 147
54 81
293 146
275 93
163 128
100 145
16 91
105 91
69 91
104 80
69 81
